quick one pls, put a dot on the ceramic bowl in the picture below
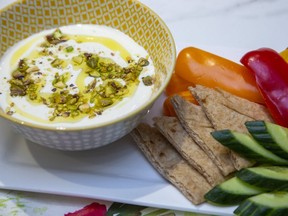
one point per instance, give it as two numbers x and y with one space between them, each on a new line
24 18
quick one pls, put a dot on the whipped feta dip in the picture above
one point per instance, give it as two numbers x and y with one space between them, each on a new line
74 76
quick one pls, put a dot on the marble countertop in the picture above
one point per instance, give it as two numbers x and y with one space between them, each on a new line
208 24
225 23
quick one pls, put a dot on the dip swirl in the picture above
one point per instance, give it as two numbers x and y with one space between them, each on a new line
62 76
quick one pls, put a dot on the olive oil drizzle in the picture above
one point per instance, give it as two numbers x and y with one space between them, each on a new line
20 52
107 42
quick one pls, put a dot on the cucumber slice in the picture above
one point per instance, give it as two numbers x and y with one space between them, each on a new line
270 178
271 136
231 192
245 145
272 204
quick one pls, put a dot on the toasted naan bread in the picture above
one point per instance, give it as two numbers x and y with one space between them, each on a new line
198 126
227 111
166 159
172 129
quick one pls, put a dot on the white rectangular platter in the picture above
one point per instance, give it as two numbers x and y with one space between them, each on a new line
117 172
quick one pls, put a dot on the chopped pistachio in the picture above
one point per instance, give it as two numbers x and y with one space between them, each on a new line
92 115
143 62
78 59
73 101
60 85
92 62
33 96
57 34
109 91
52 118
23 66
17 91
57 62
91 86
72 107
27 81
106 102
32 69
75 114
60 81
18 74
85 108
10 112
93 73
147 80
56 37
69 49
66 114
88 55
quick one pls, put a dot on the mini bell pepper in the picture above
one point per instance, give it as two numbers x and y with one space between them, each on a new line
203 68
177 84
271 74
284 54
168 109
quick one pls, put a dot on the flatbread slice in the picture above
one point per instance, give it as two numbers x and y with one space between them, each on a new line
169 163
227 111
198 126
172 129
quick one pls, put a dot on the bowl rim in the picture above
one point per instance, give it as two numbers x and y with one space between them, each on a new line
139 109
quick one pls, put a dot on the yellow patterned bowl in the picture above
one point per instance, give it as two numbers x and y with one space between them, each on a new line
25 18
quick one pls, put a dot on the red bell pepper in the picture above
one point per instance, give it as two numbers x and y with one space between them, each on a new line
271 74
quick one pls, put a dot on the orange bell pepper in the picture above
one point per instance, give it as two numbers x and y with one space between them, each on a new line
168 109
177 84
207 69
